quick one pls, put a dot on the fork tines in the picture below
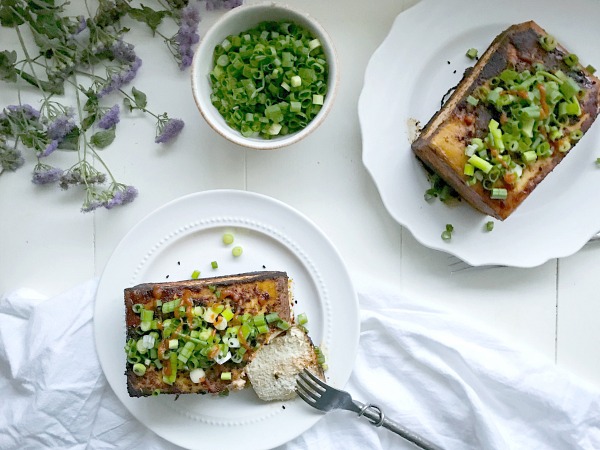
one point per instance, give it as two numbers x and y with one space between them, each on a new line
309 387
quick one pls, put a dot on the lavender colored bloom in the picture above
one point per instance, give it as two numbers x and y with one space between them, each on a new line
91 206
82 24
170 130
212 5
118 80
123 51
46 174
52 146
10 159
122 197
27 110
110 119
61 126
187 35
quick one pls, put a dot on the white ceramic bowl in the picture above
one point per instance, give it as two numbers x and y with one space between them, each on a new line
234 22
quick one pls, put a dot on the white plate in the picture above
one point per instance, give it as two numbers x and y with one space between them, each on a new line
421 58
185 235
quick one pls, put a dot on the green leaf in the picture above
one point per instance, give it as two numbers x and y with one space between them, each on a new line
127 104
71 140
139 97
7 66
103 138
148 16
88 121
11 12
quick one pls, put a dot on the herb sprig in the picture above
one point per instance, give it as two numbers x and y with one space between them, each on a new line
87 55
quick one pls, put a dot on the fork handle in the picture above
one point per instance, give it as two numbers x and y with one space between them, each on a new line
377 418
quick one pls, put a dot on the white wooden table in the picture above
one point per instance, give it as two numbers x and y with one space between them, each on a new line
48 245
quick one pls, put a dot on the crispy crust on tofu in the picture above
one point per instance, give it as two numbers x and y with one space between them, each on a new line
441 144
275 366
253 293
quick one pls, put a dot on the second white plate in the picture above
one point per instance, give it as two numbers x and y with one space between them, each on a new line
185 235
422 57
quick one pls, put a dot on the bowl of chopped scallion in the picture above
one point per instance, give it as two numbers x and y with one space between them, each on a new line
264 76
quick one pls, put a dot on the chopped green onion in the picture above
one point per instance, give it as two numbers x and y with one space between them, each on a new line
228 239
147 315
141 346
571 59
447 233
591 69
472 100
195 274
237 251
173 344
139 369
226 376
302 319
317 99
227 314
262 329
156 392
284 325
489 226
499 194
137 308
529 156
273 317
480 163
472 53
548 42
214 265
296 81
314 44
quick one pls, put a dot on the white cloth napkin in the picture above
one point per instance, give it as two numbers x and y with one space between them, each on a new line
430 370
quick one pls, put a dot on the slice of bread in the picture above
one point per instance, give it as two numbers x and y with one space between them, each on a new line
200 305
275 366
442 143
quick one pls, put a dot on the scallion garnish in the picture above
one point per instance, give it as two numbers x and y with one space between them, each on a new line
139 369
489 226
260 73
237 251
537 113
195 274
227 238
472 53
214 265
447 233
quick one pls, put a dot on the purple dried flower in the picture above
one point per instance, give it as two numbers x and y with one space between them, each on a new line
122 196
187 35
28 111
170 130
123 51
46 174
10 159
118 80
53 145
91 206
82 24
212 5
110 119
61 126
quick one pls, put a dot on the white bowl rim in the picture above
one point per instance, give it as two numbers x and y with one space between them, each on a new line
211 115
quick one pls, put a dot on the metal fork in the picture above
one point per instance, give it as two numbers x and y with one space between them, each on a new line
323 397
458 265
